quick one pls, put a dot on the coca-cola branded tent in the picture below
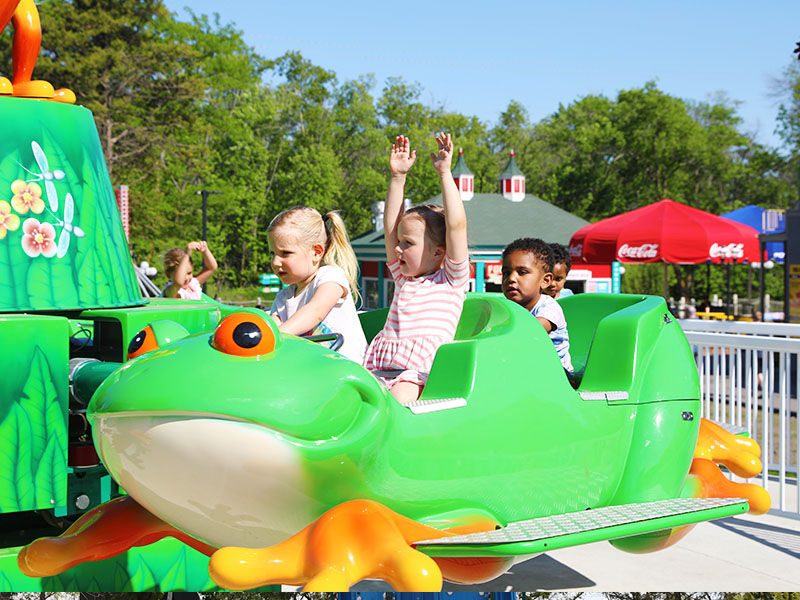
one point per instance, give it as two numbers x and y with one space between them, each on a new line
668 232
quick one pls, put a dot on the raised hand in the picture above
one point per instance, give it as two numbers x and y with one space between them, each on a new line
402 158
444 157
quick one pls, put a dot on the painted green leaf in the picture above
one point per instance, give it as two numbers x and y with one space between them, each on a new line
114 252
10 170
16 480
50 283
175 578
141 576
48 474
5 582
13 294
8 283
58 160
122 582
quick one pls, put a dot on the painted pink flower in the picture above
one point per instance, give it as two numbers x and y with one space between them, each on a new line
8 221
39 238
27 196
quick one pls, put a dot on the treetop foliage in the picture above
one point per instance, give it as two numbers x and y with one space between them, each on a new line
182 103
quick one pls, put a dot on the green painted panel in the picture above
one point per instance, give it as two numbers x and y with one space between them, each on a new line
62 246
33 412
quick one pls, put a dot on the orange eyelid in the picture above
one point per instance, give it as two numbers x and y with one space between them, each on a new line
147 343
225 340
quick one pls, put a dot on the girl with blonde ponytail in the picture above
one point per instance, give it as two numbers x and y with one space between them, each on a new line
312 255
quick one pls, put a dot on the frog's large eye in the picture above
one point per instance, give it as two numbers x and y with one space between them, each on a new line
142 342
244 334
157 334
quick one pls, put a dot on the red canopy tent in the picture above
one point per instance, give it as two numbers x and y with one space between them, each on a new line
668 232
665 231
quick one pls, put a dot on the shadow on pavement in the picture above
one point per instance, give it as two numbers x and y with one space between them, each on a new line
539 573
778 538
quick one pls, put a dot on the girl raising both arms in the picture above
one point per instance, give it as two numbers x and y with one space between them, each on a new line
427 255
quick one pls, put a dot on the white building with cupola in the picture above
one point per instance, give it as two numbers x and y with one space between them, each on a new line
464 178
512 181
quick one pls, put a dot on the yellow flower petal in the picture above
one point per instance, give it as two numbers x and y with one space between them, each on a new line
5 207
19 205
37 205
34 189
18 186
2 232
12 222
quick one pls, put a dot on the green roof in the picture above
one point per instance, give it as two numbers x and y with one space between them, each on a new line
493 222
461 167
511 170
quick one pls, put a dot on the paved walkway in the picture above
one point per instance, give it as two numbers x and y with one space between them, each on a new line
735 554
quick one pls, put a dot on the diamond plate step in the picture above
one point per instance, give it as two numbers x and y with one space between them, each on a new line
571 529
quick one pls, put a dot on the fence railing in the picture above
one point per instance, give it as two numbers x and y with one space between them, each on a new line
749 378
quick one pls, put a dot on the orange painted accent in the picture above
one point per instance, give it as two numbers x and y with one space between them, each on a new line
27 41
65 96
223 336
716 485
356 540
149 343
739 454
25 51
104 532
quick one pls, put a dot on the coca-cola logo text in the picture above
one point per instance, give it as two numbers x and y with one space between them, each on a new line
638 252
726 251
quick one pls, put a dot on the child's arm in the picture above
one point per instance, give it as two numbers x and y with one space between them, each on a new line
312 314
400 162
455 217
547 324
209 262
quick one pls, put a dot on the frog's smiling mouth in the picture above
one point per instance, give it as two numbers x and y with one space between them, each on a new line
224 481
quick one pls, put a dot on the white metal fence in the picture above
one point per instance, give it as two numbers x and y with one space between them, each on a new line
749 378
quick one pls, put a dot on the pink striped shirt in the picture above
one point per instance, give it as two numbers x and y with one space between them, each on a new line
423 316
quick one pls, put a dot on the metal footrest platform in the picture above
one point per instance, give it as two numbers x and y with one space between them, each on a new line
572 529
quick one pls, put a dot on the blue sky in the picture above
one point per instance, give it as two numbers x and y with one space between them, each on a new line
474 57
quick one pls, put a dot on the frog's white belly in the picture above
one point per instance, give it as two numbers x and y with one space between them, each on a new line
224 482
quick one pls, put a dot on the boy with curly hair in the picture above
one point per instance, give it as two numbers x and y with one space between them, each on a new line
527 273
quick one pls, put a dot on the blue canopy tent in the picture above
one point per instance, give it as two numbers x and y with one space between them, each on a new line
765 220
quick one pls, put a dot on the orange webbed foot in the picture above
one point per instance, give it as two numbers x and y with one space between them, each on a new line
739 454
34 89
103 532
5 87
356 540
716 485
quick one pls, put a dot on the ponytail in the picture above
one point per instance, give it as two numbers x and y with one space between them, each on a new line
339 252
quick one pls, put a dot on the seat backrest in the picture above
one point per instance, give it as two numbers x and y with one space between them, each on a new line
583 313
373 321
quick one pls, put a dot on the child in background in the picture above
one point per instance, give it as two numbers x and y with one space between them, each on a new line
527 272
561 268
178 268
312 255
427 255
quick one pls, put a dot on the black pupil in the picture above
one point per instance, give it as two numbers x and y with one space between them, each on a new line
247 335
137 341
